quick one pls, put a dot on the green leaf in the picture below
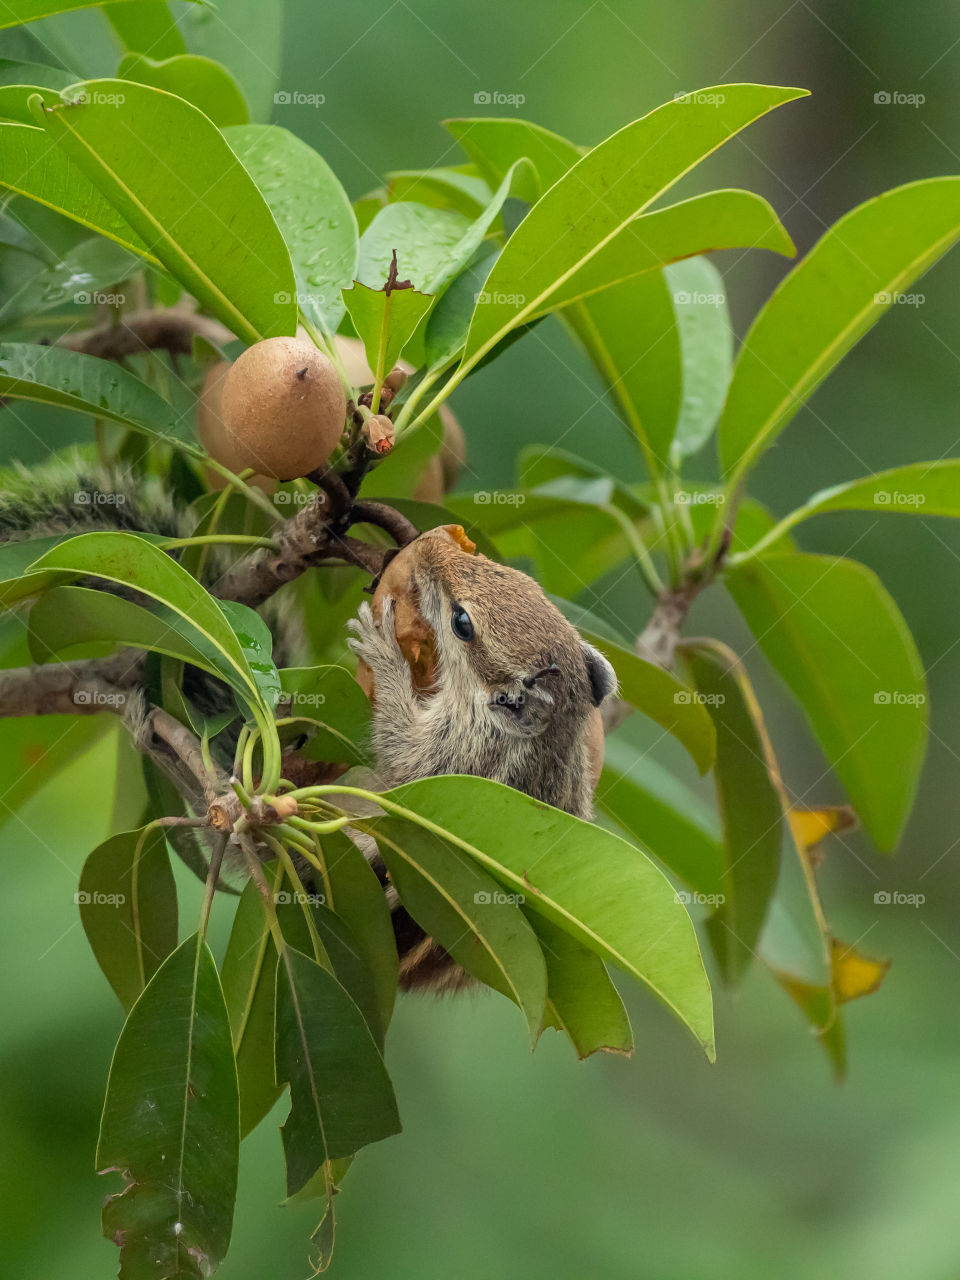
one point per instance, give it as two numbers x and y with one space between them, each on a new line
839 642
461 907
332 701
844 285
69 380
706 347
256 641
749 806
65 617
656 810
200 81
630 333
128 907
582 1001
21 11
655 692
171 1123
85 276
385 320
249 974
159 160
146 24
312 211
340 1094
718 220
34 73
133 562
602 195
495 144
359 900
441 188
586 880
15 98
449 320
920 488
250 44
30 166
423 239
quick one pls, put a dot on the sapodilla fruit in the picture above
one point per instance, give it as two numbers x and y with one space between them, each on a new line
283 406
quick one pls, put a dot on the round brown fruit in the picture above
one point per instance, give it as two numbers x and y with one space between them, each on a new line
414 634
283 407
212 432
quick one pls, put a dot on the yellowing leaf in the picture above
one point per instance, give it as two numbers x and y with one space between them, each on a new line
809 826
854 975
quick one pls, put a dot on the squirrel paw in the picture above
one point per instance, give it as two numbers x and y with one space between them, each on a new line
377 643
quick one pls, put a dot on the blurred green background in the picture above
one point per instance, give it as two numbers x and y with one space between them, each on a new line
660 1167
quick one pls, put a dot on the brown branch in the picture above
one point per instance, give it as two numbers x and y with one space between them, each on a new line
74 689
400 529
160 330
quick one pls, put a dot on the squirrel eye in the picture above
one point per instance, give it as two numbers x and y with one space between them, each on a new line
460 624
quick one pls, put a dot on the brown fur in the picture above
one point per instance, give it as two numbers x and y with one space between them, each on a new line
513 703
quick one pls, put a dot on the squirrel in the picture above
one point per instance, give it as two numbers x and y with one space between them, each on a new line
514 689
513 696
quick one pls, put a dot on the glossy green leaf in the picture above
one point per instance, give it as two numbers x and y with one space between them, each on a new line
133 562
89 274
750 810
250 43
706 348
630 333
459 905
159 161
717 220
441 188
171 1123
256 641
13 72
249 973
495 144
655 692
128 907
340 1094
30 166
65 617
329 698
312 211
146 25
385 320
449 320
582 1000
69 380
920 488
586 880
206 84
15 99
359 900
18 12
656 810
838 640
422 237
847 281
601 195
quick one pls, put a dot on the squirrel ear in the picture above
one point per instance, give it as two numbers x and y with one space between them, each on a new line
602 677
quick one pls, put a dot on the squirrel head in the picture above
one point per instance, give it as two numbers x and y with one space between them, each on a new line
500 644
